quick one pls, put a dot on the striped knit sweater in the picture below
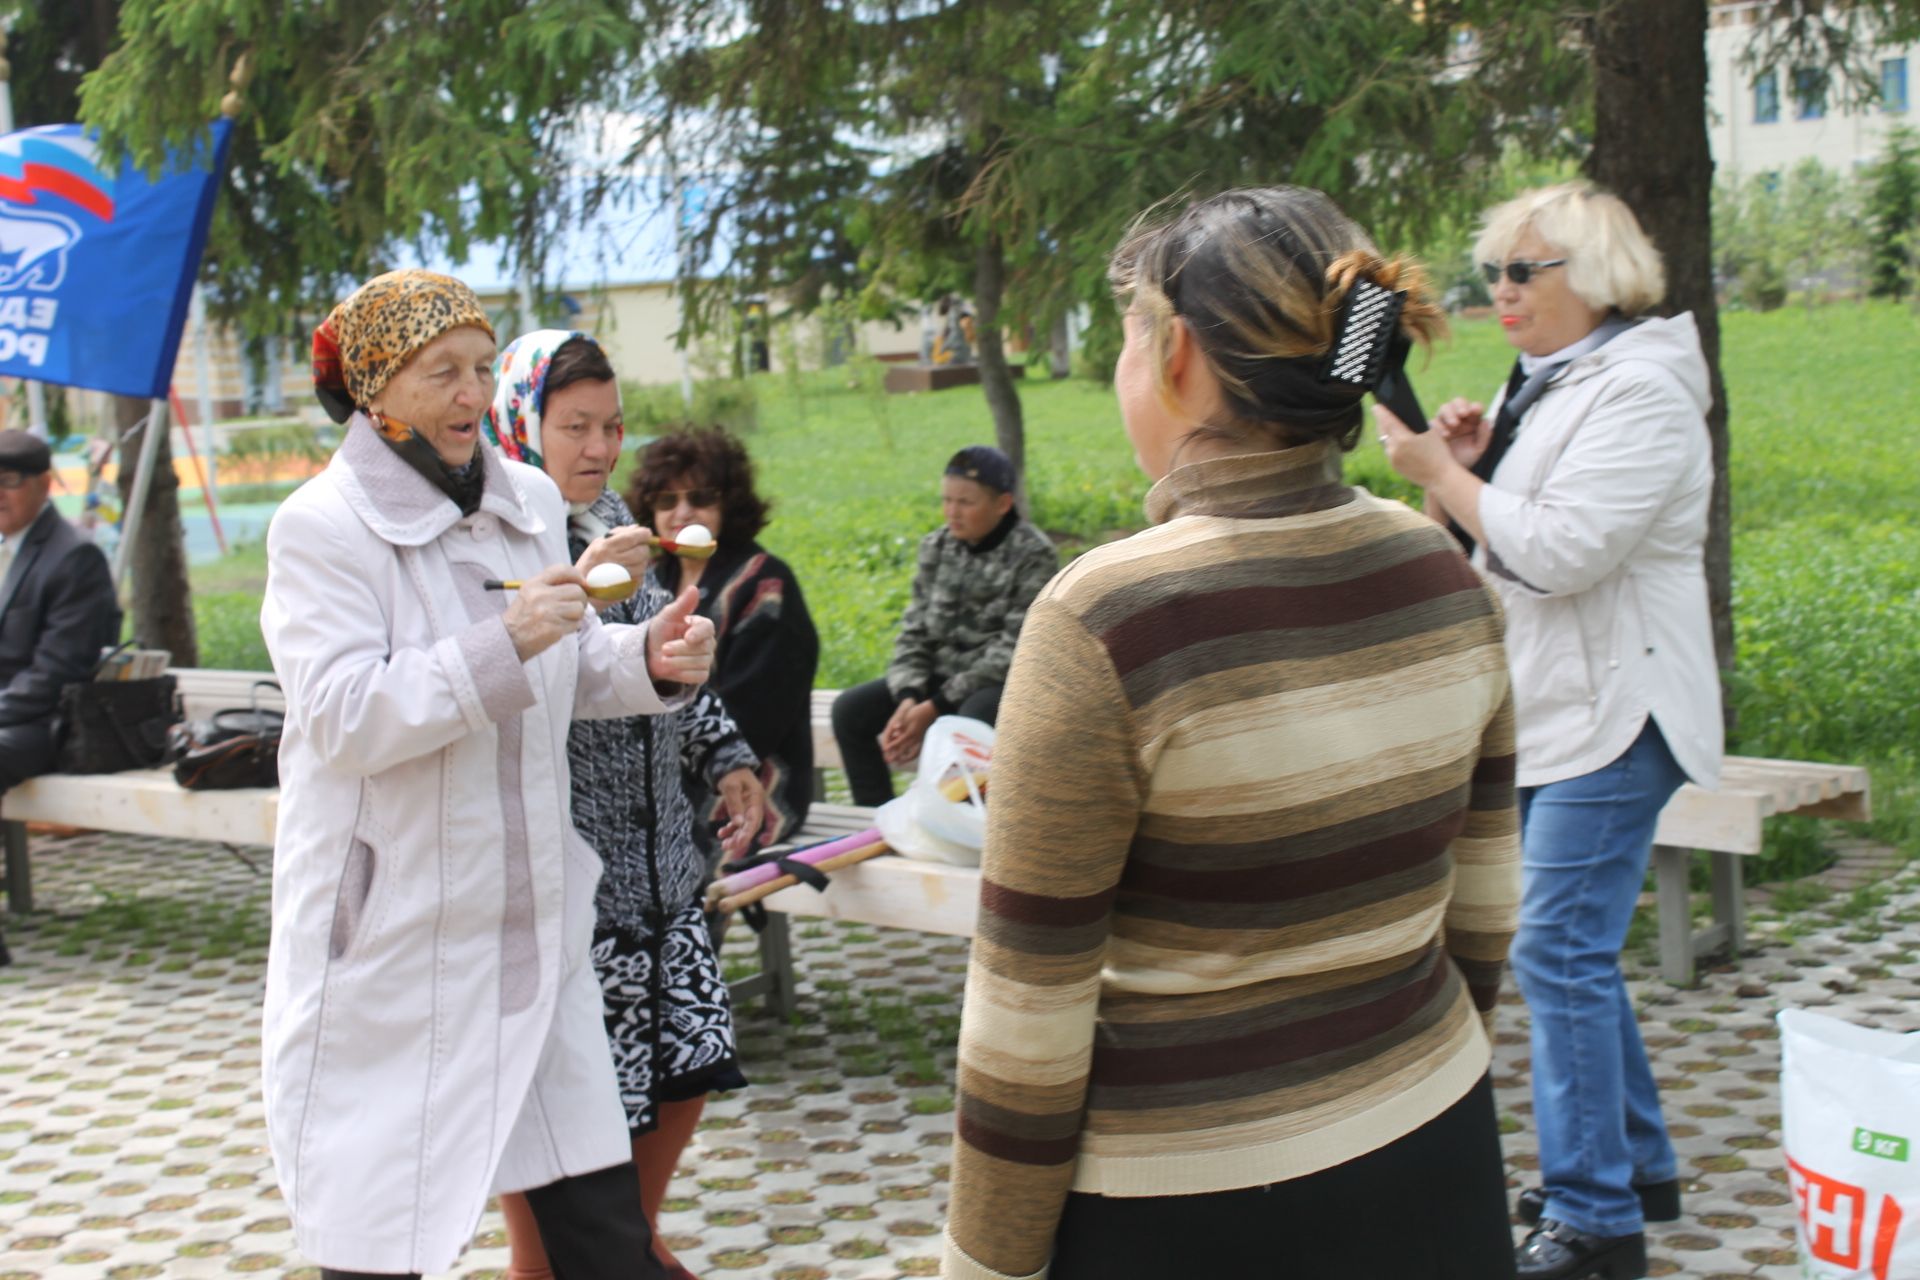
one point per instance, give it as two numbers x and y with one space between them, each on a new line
1252 859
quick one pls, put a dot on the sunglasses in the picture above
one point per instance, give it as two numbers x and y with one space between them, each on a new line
14 479
668 499
1518 272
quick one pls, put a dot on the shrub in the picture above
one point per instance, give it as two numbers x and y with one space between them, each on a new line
650 411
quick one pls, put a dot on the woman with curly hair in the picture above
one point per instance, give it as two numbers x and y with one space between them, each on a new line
768 650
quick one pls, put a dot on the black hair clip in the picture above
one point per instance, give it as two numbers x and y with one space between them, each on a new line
1370 352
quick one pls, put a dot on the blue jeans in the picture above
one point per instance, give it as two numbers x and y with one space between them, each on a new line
1585 844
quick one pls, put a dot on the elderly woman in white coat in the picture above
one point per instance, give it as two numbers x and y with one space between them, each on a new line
432 1026
1586 492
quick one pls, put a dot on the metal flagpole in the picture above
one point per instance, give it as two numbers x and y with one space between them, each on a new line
203 379
36 394
154 423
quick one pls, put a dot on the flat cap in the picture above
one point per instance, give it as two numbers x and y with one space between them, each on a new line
24 452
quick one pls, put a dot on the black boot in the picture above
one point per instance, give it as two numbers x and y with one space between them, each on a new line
1659 1202
1556 1251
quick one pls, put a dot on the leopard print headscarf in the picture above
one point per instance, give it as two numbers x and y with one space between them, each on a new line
380 327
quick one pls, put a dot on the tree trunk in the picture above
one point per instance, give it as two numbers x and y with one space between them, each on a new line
996 378
1650 148
159 598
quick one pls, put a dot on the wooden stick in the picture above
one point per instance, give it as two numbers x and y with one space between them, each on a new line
774 886
955 788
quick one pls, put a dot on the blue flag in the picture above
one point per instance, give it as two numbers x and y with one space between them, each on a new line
97 269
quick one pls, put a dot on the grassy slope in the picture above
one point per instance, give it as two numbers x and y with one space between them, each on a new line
1827 545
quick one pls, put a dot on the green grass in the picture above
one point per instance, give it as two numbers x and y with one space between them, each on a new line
1826 500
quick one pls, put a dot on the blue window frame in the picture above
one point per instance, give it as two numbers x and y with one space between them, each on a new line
1766 97
1893 85
1809 93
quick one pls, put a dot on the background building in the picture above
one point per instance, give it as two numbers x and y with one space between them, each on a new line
1770 121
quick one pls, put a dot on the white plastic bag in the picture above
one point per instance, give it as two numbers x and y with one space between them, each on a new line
927 823
1850 1115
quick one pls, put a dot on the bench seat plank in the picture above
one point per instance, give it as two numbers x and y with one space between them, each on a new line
889 890
145 802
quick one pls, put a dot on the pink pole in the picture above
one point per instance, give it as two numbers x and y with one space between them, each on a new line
743 880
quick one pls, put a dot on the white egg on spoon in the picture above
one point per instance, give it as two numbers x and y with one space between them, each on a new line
695 541
609 581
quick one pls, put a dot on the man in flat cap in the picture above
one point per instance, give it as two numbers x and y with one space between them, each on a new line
57 607
976 576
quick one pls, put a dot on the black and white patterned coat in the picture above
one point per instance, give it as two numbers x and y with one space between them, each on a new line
628 798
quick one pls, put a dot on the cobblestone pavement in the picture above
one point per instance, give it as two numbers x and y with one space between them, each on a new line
132 1140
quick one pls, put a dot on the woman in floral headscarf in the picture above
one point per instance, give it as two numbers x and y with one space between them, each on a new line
432 1032
557 407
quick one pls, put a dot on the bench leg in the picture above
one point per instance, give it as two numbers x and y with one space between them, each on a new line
1670 866
1729 901
19 873
776 964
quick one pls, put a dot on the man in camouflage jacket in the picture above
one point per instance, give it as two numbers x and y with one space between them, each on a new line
975 578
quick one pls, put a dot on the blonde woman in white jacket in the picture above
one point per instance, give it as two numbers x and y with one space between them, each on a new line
1584 492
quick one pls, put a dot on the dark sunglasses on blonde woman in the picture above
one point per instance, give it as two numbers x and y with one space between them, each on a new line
1518 272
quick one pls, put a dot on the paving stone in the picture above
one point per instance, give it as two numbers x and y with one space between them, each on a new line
132 1136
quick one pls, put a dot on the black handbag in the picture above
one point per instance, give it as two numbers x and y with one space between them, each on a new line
239 747
107 726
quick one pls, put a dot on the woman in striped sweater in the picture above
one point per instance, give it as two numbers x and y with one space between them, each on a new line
1251 865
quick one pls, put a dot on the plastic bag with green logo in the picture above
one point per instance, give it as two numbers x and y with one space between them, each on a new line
1850 1117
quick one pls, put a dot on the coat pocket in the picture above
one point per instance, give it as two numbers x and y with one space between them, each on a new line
356 891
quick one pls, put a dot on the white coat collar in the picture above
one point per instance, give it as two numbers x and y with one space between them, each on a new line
401 506
1672 342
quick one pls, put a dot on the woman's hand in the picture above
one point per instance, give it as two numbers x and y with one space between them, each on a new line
900 740
625 546
680 642
746 804
1429 460
1463 424
1424 458
546 610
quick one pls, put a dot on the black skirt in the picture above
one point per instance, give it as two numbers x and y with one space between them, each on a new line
1430 1206
668 1016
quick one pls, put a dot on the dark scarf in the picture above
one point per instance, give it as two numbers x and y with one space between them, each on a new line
464 485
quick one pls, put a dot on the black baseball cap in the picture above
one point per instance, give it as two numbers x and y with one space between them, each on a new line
24 452
985 464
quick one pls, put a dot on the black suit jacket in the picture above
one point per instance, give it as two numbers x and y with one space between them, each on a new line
57 611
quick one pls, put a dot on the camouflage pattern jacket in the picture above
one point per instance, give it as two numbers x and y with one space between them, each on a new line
968 603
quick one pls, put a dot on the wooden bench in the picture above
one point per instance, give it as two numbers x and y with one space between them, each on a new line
144 802
1727 824
147 802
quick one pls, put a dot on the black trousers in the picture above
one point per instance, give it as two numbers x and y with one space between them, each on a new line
26 751
591 1225
1430 1206
859 716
